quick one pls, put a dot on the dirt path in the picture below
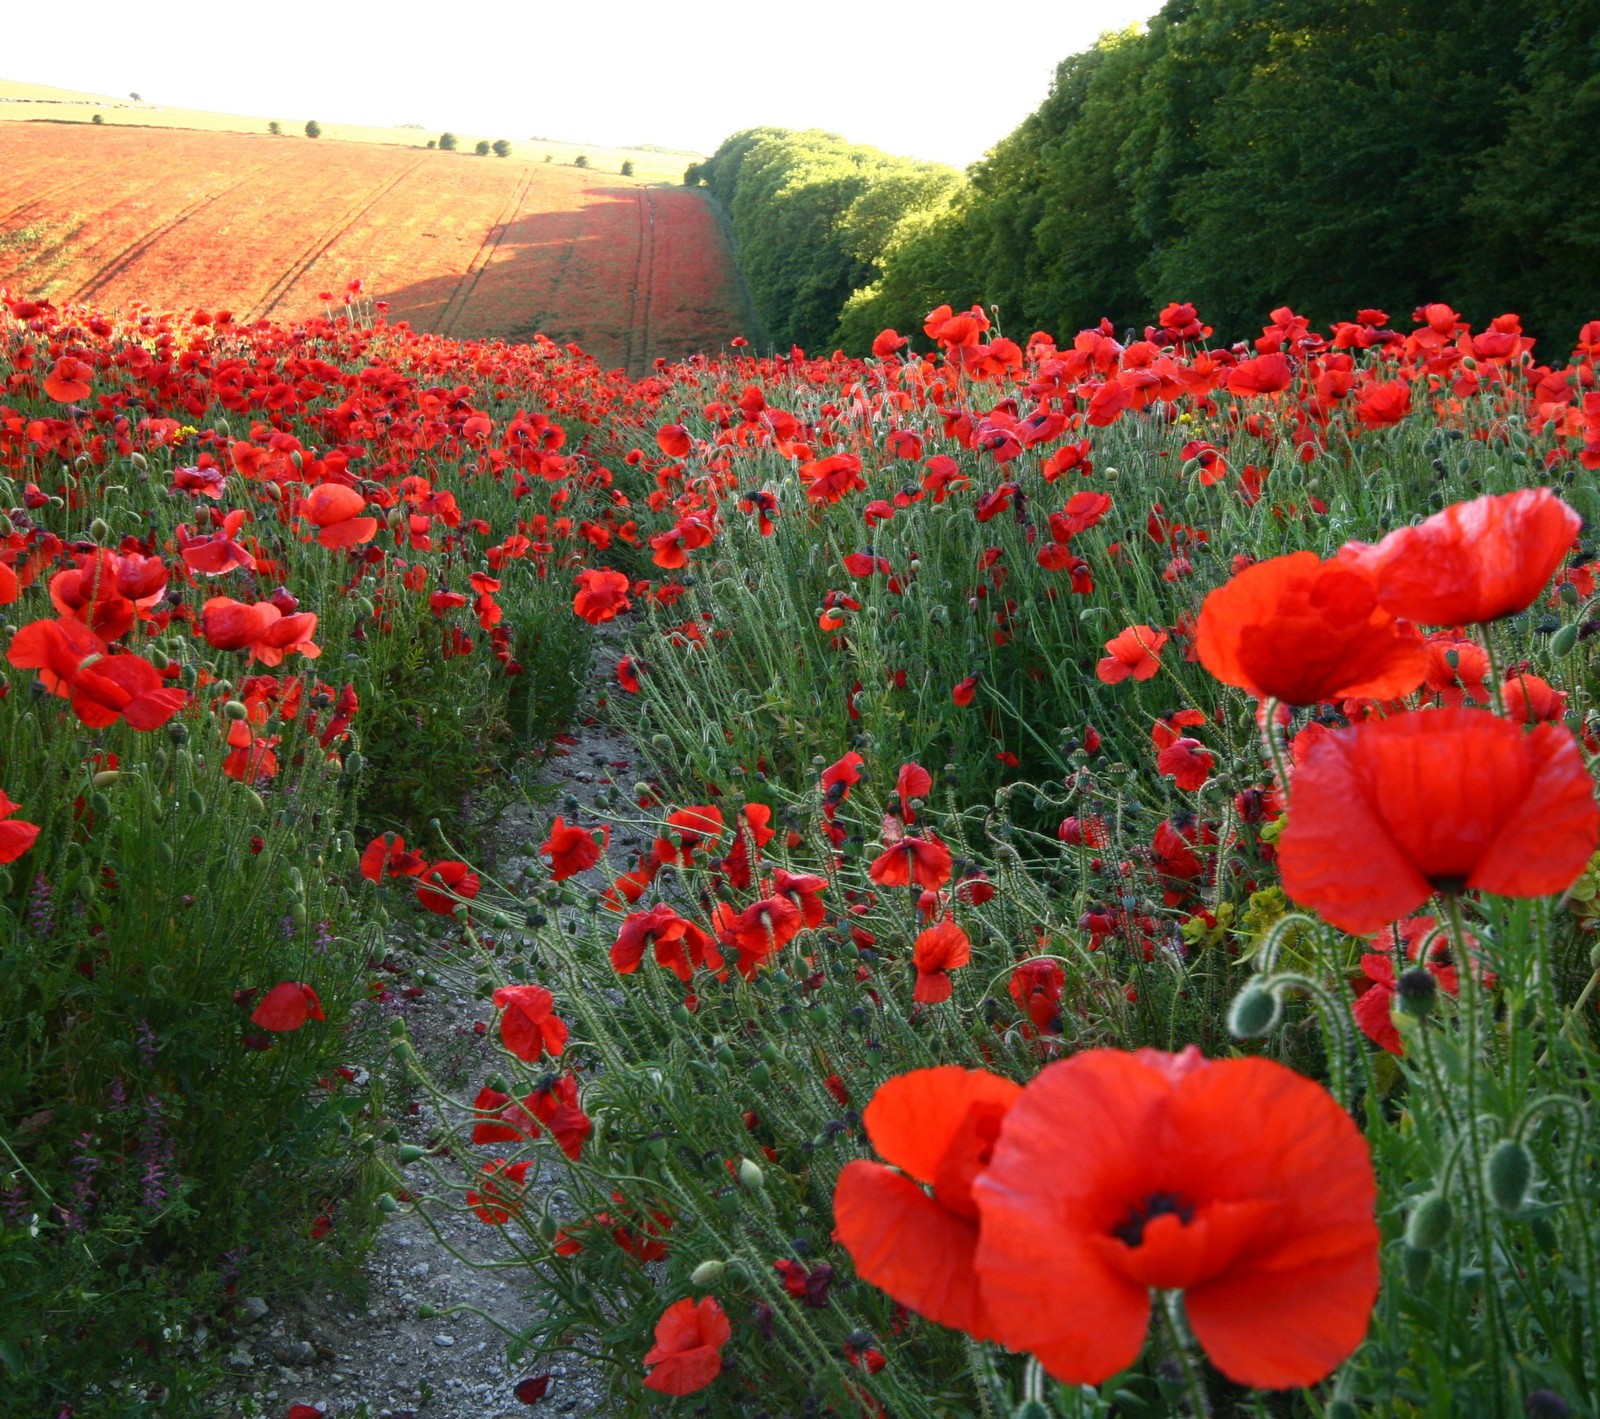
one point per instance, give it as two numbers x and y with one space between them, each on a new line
384 1362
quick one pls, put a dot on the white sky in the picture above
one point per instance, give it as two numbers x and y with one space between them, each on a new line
932 79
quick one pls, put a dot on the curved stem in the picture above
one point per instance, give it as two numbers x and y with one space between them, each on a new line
1267 717
1171 1313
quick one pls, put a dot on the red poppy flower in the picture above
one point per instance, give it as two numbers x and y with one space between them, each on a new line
1390 811
492 1200
287 1006
761 930
442 883
68 380
680 945
1382 404
572 849
556 1107
962 693
925 861
336 511
386 855
1135 651
687 1354
1302 630
1238 1181
15 837
498 1118
1037 986
938 1126
805 891
939 950
1475 561
529 1027
673 440
691 829
602 595
1531 699
259 628
1187 763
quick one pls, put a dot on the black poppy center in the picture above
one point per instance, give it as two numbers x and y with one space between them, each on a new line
1158 1204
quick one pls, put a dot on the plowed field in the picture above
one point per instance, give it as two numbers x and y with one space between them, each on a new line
456 244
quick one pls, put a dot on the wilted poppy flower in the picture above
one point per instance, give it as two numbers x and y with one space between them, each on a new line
1302 630
1475 561
939 950
287 1006
1135 651
529 1027
687 1354
572 849
938 1126
532 1389
1037 986
492 1200
602 595
386 856
442 883
1390 811
1238 1181
15 837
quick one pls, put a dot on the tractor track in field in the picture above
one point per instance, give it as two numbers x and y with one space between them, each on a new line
467 287
301 266
638 349
140 245
99 175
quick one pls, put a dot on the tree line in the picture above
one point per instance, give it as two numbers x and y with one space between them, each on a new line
1239 154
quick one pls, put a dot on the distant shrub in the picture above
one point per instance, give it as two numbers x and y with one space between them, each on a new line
481 147
627 167
447 141
98 118
275 128
502 149
313 129
433 142
136 98
580 161
549 157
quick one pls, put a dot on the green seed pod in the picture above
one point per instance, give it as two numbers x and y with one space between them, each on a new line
1564 641
397 1029
387 1203
1255 1012
707 1274
1429 1223
771 1053
195 802
1508 1172
725 1057
409 1153
426 1312
1415 1266
760 1076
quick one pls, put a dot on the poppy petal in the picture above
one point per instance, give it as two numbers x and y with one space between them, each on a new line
914 1118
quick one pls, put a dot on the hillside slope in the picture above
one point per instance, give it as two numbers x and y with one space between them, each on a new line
457 244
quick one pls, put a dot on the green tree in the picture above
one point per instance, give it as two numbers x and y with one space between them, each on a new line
313 129
580 161
502 149
627 167
481 147
98 118
447 141
275 128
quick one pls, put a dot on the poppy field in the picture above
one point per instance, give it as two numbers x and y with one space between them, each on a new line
276 227
1114 931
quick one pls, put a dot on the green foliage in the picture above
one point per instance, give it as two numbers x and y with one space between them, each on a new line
275 128
98 118
580 161
1246 154
313 129
481 147
813 216
447 141
627 167
502 148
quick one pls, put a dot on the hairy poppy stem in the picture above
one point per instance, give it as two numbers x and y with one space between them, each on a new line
1267 715
1177 1328
1497 695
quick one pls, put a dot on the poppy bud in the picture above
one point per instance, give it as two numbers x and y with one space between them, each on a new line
386 1203
98 530
1508 1172
426 1312
707 1274
100 803
548 1228
253 798
235 709
1414 992
750 1175
1544 1234
106 777
1255 1012
1429 1223
409 1153
1565 640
